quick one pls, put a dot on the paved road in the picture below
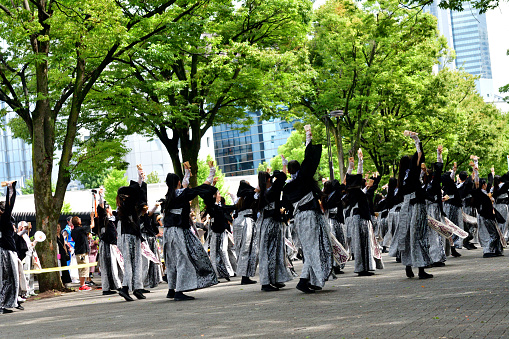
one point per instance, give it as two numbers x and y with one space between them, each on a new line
469 298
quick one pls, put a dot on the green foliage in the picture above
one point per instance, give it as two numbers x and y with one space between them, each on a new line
203 173
458 5
114 180
229 57
93 180
29 186
66 208
153 178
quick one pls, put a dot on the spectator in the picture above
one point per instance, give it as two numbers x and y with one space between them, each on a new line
63 255
93 242
82 248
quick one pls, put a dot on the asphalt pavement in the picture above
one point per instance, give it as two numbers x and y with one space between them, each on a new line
468 298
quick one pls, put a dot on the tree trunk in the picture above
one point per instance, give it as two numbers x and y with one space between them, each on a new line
338 136
190 148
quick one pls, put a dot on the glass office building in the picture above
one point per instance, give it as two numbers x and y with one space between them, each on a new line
15 155
467 33
240 152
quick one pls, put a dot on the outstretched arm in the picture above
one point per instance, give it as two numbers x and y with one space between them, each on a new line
187 174
285 164
361 161
212 173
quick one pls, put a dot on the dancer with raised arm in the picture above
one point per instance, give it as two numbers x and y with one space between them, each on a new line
273 271
301 195
188 266
411 238
9 276
435 210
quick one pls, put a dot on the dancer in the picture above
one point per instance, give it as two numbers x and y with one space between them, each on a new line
152 273
111 269
245 233
9 275
453 209
500 194
220 213
361 228
489 237
411 238
129 208
188 266
393 204
435 210
301 195
273 271
333 207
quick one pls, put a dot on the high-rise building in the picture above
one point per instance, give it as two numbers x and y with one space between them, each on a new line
467 33
238 152
15 155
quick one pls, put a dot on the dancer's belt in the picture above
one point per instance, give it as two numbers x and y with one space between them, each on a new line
177 211
502 199
248 213
305 204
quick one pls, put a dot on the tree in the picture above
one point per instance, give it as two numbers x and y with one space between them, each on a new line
55 53
456 5
153 178
29 186
371 59
66 208
229 58
114 180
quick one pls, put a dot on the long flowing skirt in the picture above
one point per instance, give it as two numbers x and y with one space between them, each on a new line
392 222
9 278
272 267
504 211
400 237
489 238
362 245
219 255
130 246
436 241
188 266
246 245
416 251
455 214
111 272
152 272
339 231
472 229
316 247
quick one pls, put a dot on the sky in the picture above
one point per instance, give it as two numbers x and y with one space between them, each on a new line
498 36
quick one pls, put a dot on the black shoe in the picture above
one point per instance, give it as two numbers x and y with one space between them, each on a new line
227 278
170 294
303 286
124 293
5 311
90 283
473 246
409 272
489 255
366 274
313 287
138 294
144 291
455 253
424 275
109 292
279 285
179 296
165 278
438 264
269 288
21 308
337 270
398 257
247 281
384 249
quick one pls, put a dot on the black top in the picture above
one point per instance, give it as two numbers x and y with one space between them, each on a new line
273 194
497 192
304 183
62 249
451 190
412 181
221 215
6 229
334 201
355 196
183 219
482 202
80 237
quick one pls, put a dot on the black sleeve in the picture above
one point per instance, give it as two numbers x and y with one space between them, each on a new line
435 186
311 161
206 192
9 203
277 186
490 182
